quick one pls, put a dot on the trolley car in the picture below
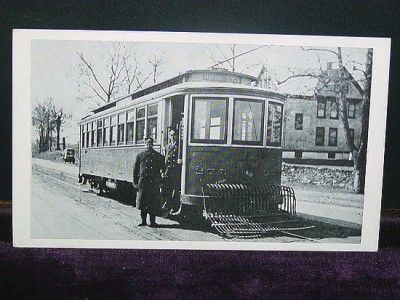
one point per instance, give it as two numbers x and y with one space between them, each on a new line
230 135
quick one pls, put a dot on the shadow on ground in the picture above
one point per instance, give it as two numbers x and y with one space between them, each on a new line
324 230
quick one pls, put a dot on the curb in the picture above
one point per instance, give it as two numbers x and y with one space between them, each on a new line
331 221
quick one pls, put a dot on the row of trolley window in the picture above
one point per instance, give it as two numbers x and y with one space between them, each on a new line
126 127
254 122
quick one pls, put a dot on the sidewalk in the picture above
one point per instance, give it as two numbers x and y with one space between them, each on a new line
329 205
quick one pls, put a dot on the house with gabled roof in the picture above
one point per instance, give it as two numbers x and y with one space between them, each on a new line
312 124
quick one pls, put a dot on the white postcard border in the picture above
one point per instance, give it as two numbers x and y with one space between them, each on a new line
22 125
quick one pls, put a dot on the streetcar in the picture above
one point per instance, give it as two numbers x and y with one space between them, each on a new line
230 133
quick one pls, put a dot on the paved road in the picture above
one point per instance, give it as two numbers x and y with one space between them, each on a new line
63 209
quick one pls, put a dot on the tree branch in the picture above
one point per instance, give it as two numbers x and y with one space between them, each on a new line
92 72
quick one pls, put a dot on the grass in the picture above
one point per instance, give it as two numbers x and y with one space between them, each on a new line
54 155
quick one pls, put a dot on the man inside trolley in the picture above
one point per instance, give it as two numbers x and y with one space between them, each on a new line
172 174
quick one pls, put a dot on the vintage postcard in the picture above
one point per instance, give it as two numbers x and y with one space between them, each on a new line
162 140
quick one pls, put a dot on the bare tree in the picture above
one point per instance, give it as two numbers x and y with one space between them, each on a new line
104 79
156 62
338 84
121 72
59 118
38 120
134 77
43 120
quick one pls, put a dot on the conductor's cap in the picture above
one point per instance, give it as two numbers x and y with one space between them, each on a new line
173 132
149 139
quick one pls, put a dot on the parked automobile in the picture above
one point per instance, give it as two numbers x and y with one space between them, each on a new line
69 155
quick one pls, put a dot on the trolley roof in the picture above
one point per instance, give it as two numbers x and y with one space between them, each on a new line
213 76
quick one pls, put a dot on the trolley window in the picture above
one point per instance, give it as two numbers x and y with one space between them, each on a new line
209 119
121 128
248 122
113 130
106 131
93 135
99 133
83 135
274 124
152 113
140 125
130 124
87 135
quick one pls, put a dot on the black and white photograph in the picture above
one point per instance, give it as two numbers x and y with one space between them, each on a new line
198 141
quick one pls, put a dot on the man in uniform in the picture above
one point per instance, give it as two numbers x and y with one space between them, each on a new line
172 175
147 179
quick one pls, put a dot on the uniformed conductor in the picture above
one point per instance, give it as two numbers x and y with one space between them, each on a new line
172 175
147 179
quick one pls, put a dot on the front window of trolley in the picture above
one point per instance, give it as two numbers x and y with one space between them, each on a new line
248 122
209 120
252 122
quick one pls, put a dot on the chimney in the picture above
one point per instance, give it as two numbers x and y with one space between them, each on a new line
329 65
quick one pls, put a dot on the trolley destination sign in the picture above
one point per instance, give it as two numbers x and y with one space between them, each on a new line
244 142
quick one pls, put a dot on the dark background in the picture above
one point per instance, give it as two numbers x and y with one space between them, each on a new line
82 273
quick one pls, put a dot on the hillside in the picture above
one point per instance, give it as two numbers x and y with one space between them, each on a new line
55 155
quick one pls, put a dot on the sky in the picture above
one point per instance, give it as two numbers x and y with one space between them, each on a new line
55 68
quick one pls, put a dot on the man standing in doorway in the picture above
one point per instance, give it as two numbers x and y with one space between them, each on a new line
147 179
172 175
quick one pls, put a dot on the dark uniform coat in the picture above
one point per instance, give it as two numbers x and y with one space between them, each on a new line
147 176
172 168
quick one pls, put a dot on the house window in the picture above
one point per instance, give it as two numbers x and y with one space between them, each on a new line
130 127
121 128
321 107
152 113
298 122
332 137
351 133
319 136
99 133
248 122
209 120
140 124
351 113
274 124
334 112
106 131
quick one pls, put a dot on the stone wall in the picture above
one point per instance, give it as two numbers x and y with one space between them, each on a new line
324 176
